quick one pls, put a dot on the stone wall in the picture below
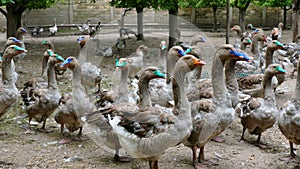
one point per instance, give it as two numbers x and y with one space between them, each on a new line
78 11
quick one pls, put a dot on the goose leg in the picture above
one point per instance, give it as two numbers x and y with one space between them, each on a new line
242 138
153 164
79 136
63 141
121 159
29 131
201 158
259 144
43 128
196 164
291 156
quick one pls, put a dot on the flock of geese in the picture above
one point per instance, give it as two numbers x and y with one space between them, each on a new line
168 104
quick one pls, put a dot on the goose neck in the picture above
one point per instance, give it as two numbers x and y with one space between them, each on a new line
144 95
218 83
7 71
123 86
268 94
297 88
231 82
52 83
179 94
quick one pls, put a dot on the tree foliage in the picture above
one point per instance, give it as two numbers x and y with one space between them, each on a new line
273 3
13 10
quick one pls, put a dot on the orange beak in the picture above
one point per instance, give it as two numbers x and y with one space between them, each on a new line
199 62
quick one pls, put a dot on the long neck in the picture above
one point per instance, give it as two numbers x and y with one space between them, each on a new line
231 82
123 86
254 45
44 64
19 36
179 94
144 95
51 46
218 83
171 61
269 95
297 88
52 83
7 72
269 56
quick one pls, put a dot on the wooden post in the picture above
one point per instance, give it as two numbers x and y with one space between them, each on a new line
264 15
193 16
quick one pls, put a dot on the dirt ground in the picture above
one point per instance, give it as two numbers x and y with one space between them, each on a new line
41 150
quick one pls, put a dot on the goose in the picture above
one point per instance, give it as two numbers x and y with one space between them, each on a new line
138 130
163 49
9 92
276 32
54 28
94 30
44 101
213 116
19 35
122 95
276 81
49 51
66 116
121 45
288 118
127 32
37 31
82 103
11 41
173 56
84 28
260 114
136 59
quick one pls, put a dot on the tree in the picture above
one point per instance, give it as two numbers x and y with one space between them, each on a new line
172 7
15 9
295 14
242 5
139 5
214 4
285 6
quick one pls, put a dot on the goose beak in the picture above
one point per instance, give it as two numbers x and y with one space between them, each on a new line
199 62
66 63
20 50
159 74
280 70
181 53
241 55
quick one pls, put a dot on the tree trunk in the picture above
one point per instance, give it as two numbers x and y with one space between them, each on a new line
140 32
295 19
215 18
227 21
284 17
173 13
242 12
13 20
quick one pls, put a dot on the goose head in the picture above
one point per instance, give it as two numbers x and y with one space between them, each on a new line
189 62
13 50
55 58
13 41
236 28
122 63
144 49
152 72
22 30
163 45
69 63
227 52
81 40
275 69
176 51
46 43
197 39
247 41
275 45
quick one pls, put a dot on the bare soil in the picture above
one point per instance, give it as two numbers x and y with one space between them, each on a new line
40 150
